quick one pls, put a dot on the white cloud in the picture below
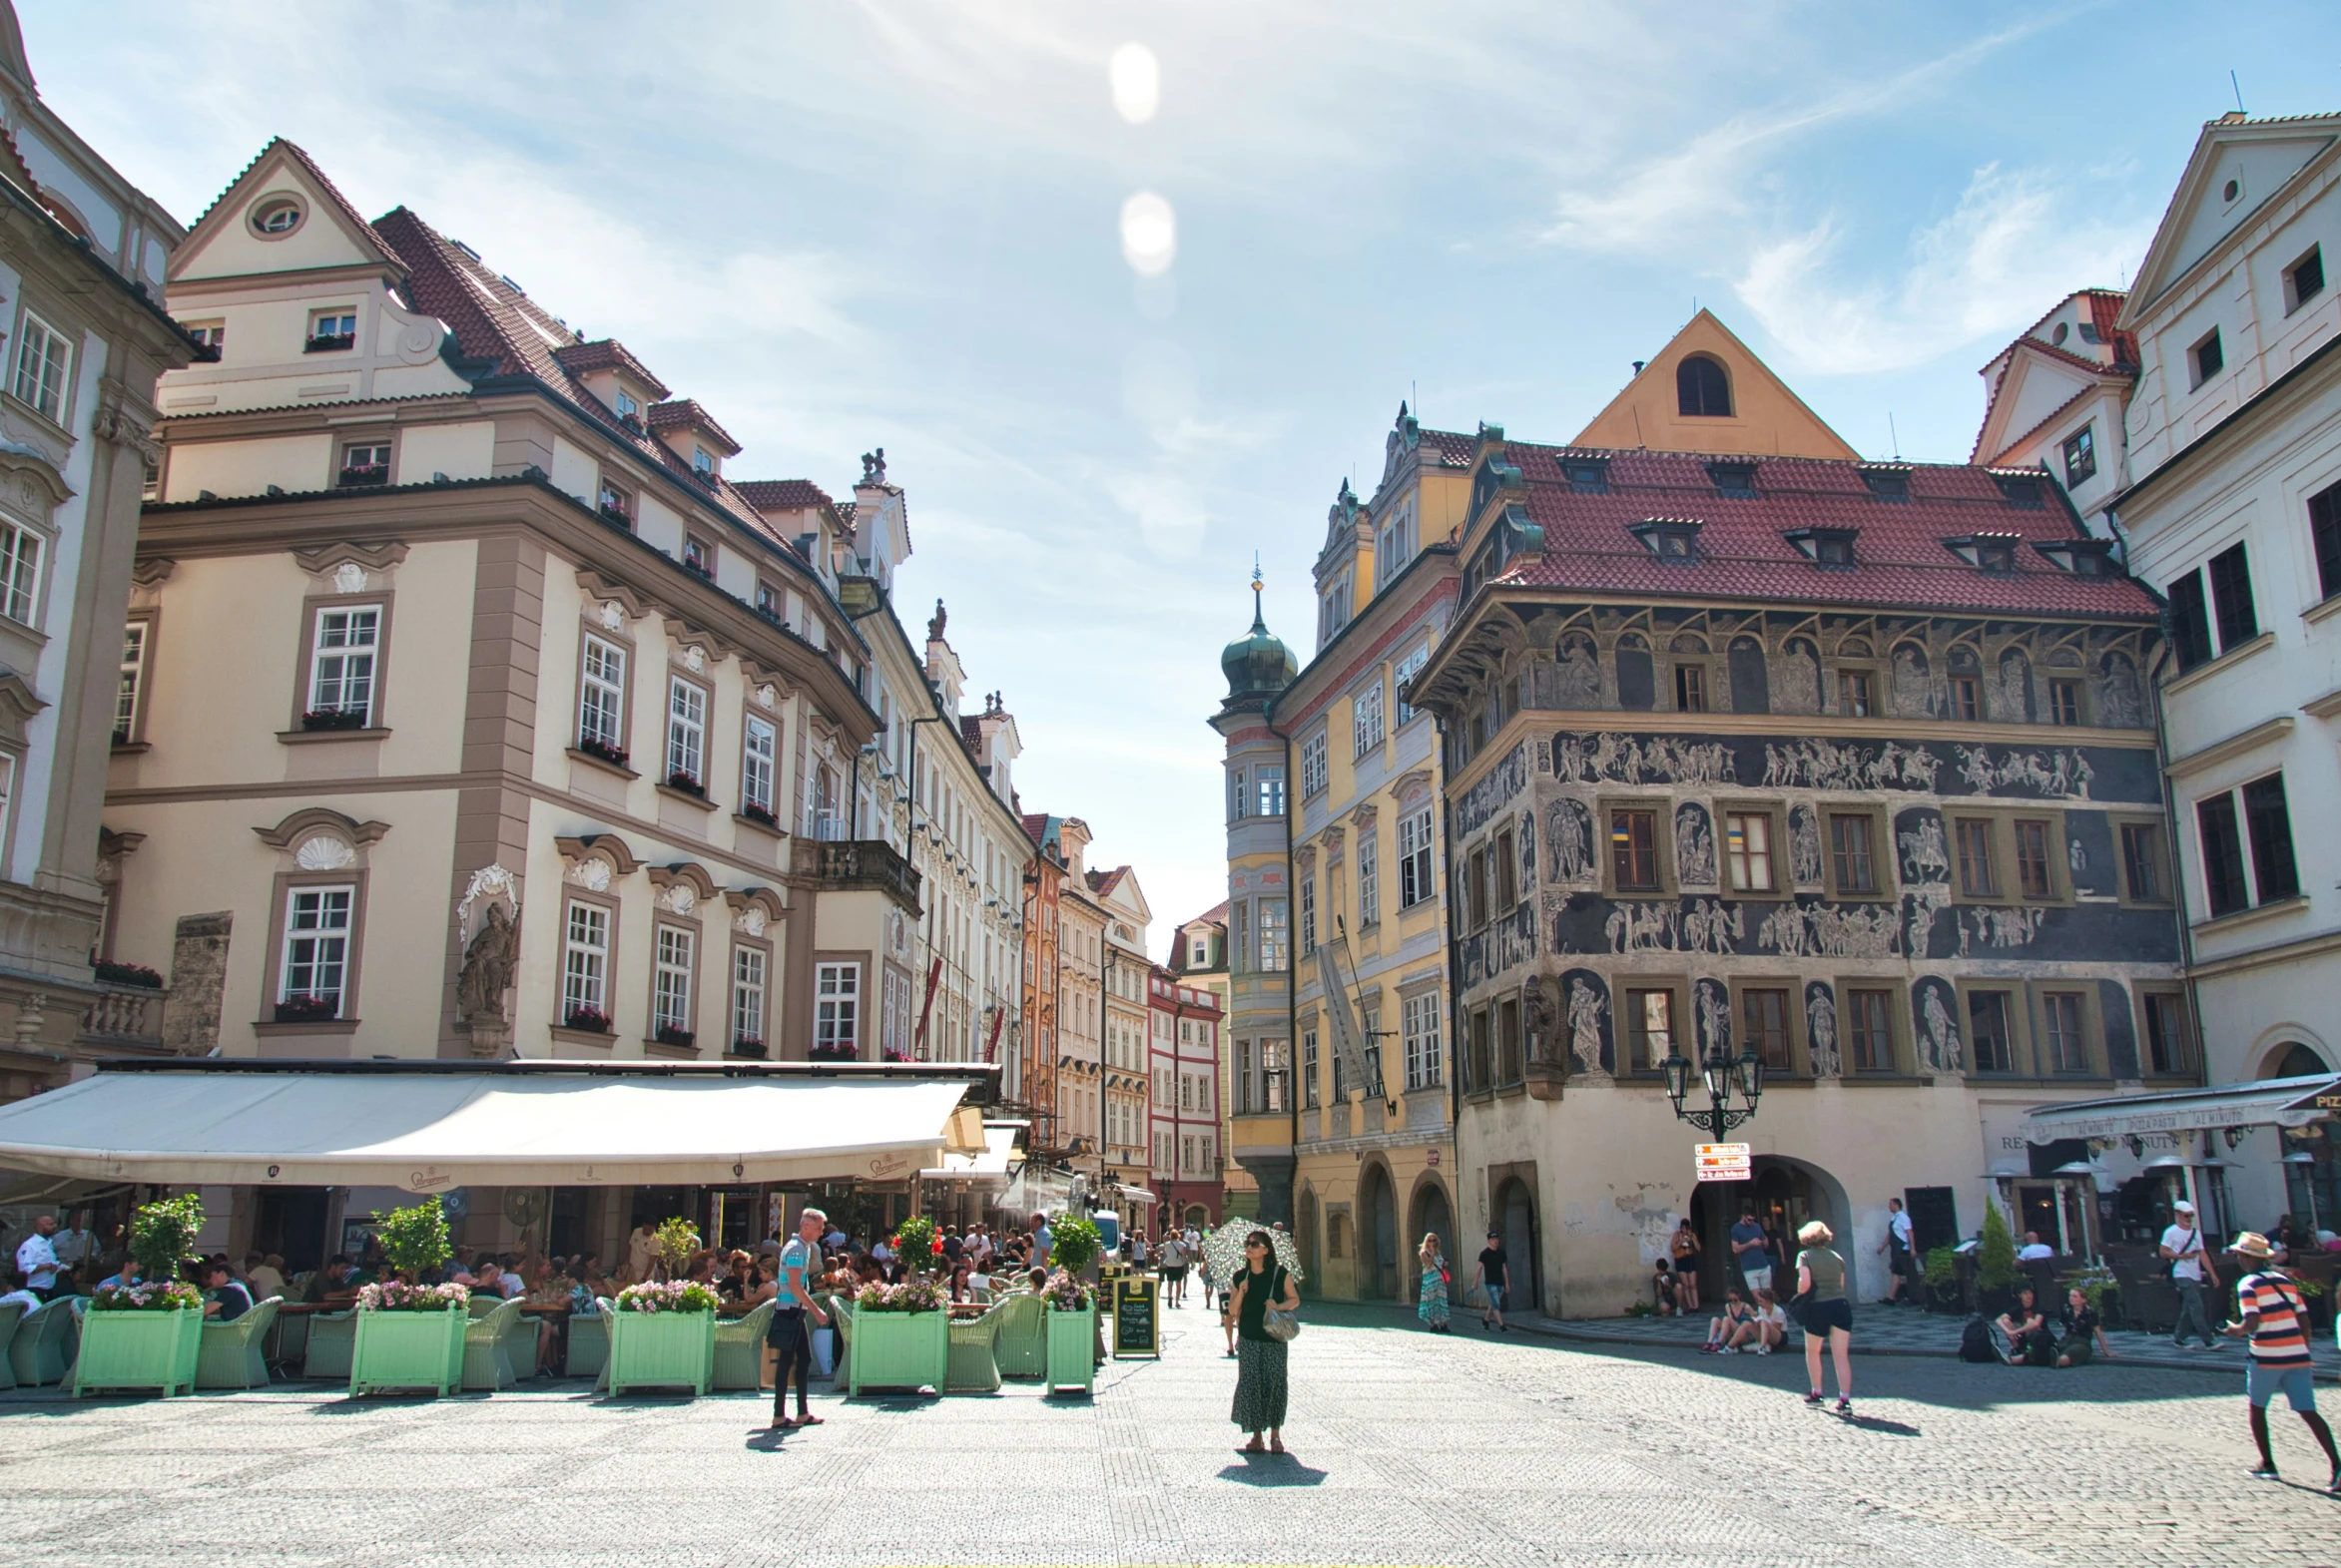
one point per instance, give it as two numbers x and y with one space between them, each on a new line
2016 243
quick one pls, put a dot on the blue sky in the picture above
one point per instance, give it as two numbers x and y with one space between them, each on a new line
847 223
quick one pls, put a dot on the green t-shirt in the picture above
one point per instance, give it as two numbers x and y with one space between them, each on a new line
1828 1270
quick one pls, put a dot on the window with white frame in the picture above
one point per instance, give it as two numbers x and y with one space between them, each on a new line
601 700
1309 1060
1275 936
341 663
1311 765
685 731
1395 546
748 972
132 683
836 1008
1405 670
1368 878
1235 799
1308 915
670 1007
1268 791
1413 859
1240 938
585 966
7 804
43 357
20 572
1366 717
317 948
894 1023
1419 1017
757 754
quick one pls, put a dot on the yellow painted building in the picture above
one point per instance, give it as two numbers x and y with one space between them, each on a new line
1707 392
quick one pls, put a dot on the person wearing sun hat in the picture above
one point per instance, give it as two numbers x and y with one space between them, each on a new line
2273 1319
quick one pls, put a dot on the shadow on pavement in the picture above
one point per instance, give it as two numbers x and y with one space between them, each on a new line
1871 1423
1271 1469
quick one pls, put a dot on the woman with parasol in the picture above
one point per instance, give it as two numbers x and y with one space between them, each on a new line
1259 1314
1223 1260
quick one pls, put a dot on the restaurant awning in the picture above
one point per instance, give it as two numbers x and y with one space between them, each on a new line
2272 1102
990 1165
430 1126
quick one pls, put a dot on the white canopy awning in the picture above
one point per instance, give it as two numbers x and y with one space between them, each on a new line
2272 1102
429 1127
992 1166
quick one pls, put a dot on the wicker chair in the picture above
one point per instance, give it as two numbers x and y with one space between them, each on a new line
43 1347
841 1319
972 1367
333 1347
10 1315
231 1357
487 1351
589 1346
740 1349
1021 1341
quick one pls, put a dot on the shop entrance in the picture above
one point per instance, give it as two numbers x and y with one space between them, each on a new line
1378 1237
1516 1218
292 1225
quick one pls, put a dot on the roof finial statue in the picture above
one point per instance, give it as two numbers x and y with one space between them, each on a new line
934 626
873 467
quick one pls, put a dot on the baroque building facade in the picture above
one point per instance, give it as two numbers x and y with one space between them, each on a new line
83 337
1850 766
1199 957
1184 1056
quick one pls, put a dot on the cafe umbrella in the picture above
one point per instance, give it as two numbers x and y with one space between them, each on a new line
1223 1253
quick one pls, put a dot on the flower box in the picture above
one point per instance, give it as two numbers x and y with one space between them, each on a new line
139 1350
334 718
683 783
127 974
1072 1349
900 1350
307 1009
671 1034
396 1349
748 1048
664 1350
761 815
585 1020
615 756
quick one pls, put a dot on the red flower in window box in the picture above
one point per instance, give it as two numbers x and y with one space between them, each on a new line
759 815
587 1020
593 746
334 718
679 780
669 1034
749 1046
303 1008
831 1053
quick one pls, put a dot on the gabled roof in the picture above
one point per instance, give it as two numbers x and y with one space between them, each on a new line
1766 417
1993 438
280 155
1215 915
785 495
607 354
685 413
2264 155
1744 550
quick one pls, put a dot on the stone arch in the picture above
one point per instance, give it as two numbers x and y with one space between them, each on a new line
1380 1248
1804 1190
2289 1051
1429 1208
306 834
1702 387
1511 1212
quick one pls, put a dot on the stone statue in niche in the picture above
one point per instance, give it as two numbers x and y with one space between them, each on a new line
1926 906
486 975
1528 849
1588 1021
1576 672
1804 844
1799 690
1568 836
1712 1005
1914 682
1694 846
1821 1029
1538 1018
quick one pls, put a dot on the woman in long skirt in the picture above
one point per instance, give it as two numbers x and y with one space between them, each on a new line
1431 1306
1261 1385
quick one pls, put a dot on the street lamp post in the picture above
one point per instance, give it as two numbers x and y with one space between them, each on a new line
1722 1074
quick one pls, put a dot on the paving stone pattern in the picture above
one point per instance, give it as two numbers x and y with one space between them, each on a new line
1408 1448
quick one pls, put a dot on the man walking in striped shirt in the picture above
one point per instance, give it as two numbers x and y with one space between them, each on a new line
2270 1308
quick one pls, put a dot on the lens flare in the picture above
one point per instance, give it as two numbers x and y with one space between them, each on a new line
1137 83
1150 234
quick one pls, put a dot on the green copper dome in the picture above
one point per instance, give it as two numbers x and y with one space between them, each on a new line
1256 665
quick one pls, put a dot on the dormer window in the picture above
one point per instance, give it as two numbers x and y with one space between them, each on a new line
207 335
1830 548
772 602
2020 491
2089 332
1586 475
627 407
1735 481
2081 455
2080 557
616 505
699 556
702 463
1995 555
368 464
1887 484
276 216
332 329
1674 541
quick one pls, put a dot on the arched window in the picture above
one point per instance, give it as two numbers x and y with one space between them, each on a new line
1701 390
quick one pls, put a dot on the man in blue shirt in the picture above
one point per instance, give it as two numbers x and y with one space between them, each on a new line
788 1333
1747 1245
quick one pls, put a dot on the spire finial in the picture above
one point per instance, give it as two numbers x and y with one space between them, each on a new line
1259 617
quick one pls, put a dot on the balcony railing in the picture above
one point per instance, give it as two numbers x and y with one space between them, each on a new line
859 862
125 1013
327 342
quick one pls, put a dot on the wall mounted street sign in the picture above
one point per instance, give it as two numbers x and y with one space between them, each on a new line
1722 1162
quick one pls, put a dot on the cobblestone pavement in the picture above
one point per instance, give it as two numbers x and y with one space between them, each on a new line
1904 1331
1407 1448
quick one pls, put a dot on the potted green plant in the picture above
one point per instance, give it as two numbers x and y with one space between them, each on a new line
1073 1244
1994 1266
663 1336
1942 1280
148 1334
410 1334
918 1246
678 1242
1072 1333
902 1337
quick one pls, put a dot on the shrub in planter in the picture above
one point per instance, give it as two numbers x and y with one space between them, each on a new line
902 1338
127 974
1073 1243
663 1336
1072 1333
747 1046
679 780
1995 1253
917 1243
760 816
587 1020
163 1233
831 1053
302 1008
415 1238
678 1240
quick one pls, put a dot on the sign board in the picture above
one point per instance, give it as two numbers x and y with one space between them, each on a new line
1722 1162
1137 1319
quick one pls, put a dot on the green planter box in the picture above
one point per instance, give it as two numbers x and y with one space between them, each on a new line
1072 1349
139 1351
662 1350
900 1350
408 1350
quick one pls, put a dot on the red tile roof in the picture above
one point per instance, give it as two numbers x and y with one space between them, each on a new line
1743 553
784 495
607 354
1216 914
971 730
1103 882
684 413
1454 448
309 164
494 321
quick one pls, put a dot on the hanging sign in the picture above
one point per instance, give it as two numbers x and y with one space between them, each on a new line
1722 1162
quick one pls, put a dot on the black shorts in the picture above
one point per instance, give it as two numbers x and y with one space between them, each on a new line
1174 1274
1821 1316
